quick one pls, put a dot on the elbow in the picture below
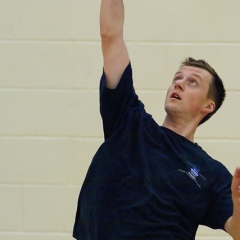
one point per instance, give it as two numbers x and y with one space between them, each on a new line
110 33
106 33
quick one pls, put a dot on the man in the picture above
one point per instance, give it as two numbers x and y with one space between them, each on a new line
148 181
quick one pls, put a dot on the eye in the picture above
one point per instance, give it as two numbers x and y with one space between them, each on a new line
192 82
176 79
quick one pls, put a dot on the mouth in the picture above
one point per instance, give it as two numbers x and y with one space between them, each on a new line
175 95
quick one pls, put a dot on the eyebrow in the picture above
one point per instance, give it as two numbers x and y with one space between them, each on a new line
196 75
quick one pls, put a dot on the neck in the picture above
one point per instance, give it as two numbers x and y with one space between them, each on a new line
183 128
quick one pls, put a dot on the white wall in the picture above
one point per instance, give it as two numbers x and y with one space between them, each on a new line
50 65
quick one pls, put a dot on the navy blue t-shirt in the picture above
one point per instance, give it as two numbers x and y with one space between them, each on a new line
146 182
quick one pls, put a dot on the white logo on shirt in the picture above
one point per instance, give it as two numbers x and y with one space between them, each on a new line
194 173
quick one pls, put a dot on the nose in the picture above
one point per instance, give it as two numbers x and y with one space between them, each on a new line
179 84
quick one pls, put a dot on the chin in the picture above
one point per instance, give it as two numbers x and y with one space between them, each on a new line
171 109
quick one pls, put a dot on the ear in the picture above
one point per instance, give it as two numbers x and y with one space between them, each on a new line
209 107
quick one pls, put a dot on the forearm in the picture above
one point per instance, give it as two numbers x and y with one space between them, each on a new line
235 225
111 18
114 49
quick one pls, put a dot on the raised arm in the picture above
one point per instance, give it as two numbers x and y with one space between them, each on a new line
115 54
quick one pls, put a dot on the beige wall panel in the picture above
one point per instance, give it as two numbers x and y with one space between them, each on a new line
79 20
12 19
35 161
182 21
88 65
11 155
154 103
48 65
11 208
49 209
62 113
154 64
212 234
49 19
83 152
62 19
35 236
11 112
213 238
36 65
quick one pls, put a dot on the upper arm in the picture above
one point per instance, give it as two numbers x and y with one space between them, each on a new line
227 226
116 59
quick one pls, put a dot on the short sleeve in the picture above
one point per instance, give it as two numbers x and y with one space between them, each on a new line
116 103
221 207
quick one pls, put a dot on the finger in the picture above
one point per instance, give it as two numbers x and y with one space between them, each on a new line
236 176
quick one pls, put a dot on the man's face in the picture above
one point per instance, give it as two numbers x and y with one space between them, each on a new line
187 95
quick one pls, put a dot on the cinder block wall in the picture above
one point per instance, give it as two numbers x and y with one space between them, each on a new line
50 64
